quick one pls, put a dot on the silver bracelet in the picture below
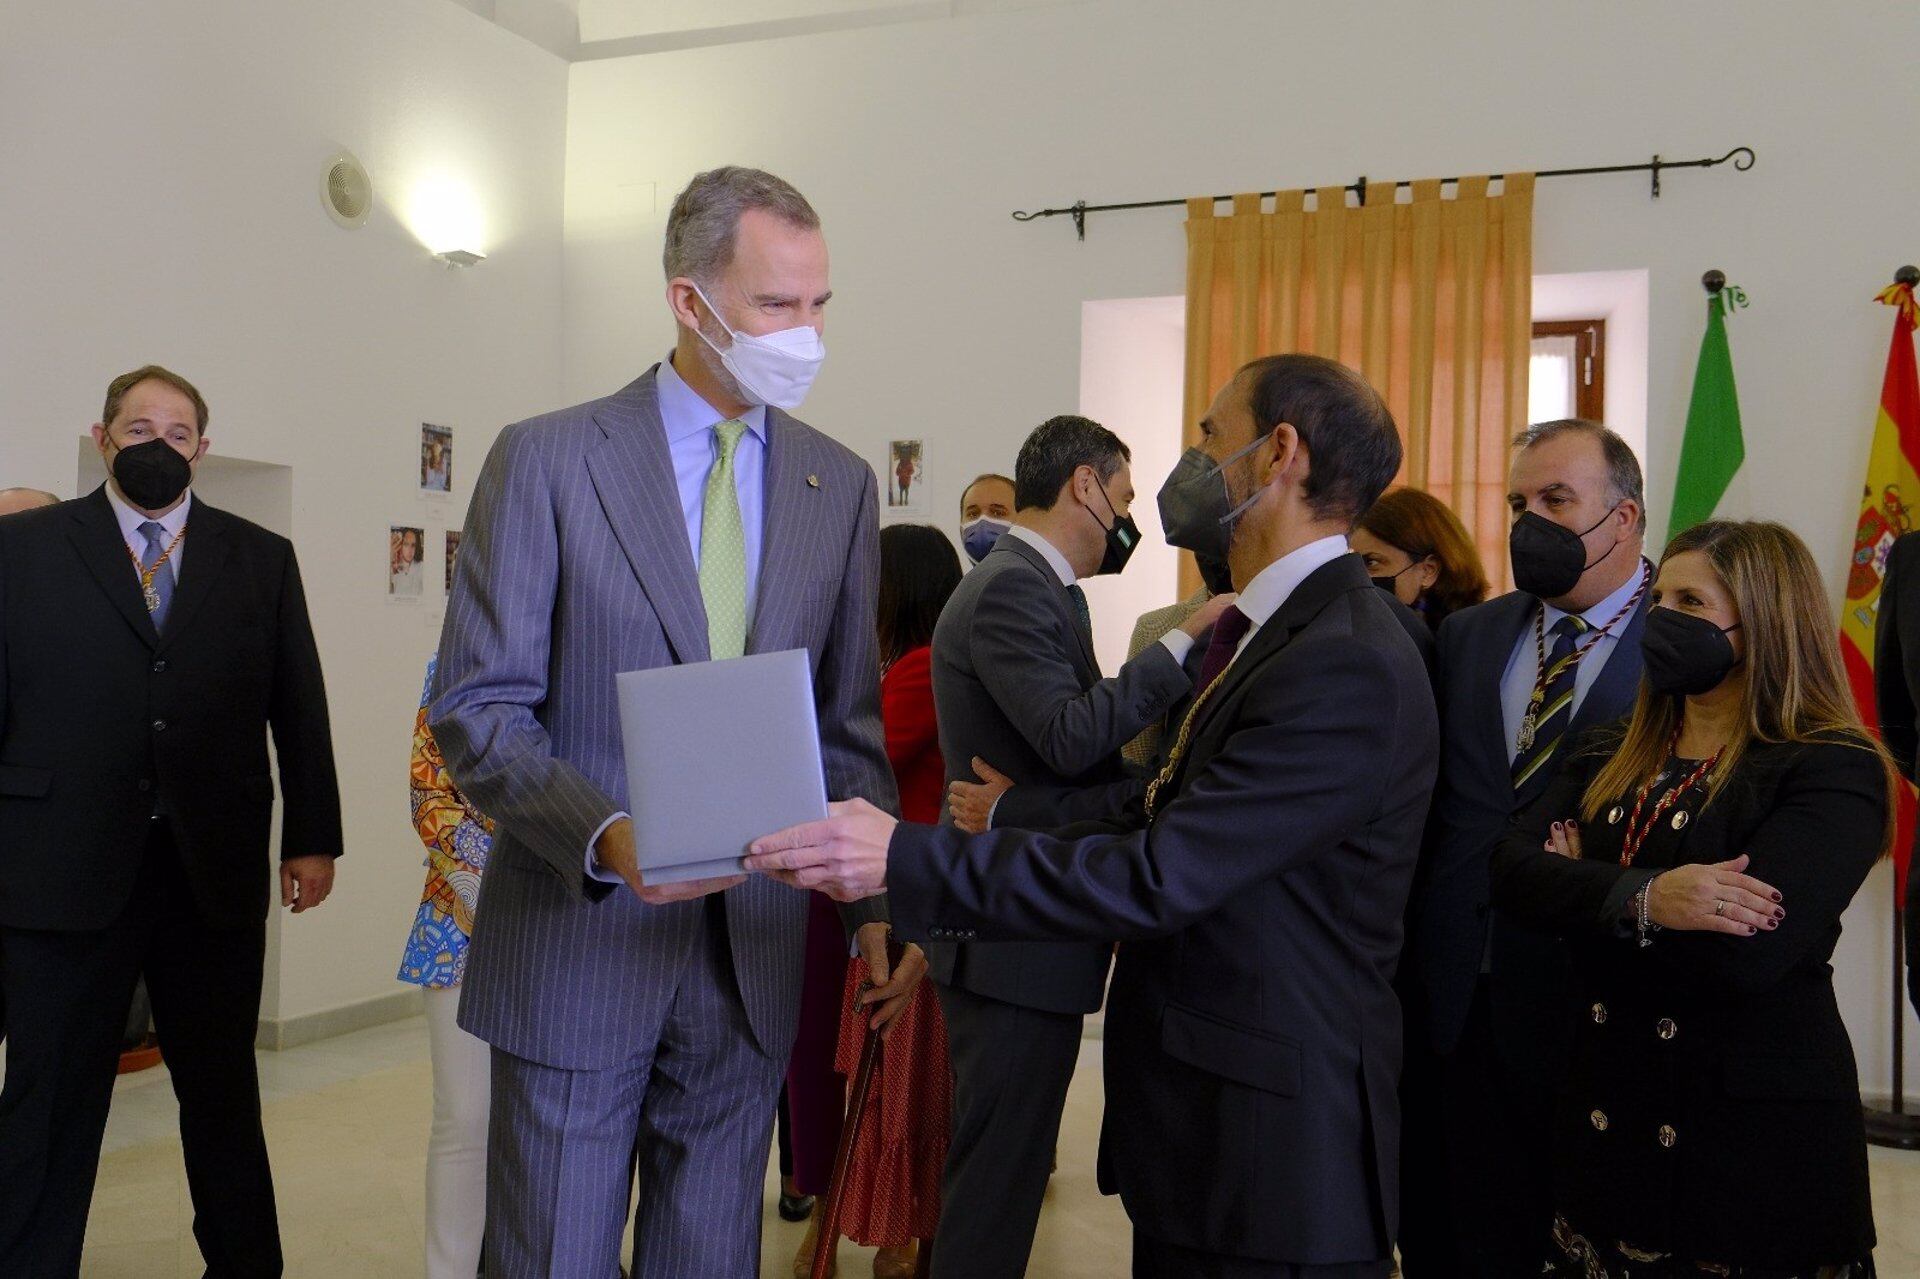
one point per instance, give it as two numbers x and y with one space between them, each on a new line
1646 927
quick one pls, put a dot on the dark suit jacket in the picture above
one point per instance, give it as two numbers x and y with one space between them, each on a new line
1417 630
1252 1032
1016 683
1733 1043
1449 922
100 716
1038 807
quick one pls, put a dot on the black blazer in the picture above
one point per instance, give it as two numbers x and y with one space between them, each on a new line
1015 682
1252 1033
1712 1108
102 721
1449 924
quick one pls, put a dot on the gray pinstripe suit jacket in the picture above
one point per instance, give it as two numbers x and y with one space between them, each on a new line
576 565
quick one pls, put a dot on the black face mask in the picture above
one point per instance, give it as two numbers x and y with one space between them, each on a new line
1196 512
1122 537
1685 655
1217 574
151 475
1391 580
1549 558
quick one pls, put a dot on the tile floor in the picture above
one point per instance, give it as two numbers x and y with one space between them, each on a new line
347 1121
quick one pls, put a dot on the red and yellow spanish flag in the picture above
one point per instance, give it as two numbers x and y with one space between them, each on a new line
1893 480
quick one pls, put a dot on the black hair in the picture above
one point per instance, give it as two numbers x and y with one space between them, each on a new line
918 572
1056 449
1352 444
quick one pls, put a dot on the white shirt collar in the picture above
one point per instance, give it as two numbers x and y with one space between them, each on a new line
131 520
1271 587
683 412
1603 612
1052 553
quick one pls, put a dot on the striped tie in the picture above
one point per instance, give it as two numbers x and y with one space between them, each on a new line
1556 705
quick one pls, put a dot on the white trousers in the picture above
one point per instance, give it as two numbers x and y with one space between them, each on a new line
457 1150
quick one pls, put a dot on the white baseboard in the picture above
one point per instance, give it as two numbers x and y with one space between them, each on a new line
291 1032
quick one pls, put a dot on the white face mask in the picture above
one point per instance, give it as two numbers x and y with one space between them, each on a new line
776 369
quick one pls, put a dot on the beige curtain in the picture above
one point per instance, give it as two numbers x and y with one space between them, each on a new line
1430 298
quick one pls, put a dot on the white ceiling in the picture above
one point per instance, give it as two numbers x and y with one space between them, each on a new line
589 29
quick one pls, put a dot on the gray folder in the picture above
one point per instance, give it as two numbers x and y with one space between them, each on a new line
718 754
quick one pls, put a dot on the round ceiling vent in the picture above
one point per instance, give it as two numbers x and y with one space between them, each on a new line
346 190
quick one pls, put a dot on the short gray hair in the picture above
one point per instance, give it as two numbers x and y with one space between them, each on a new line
1623 468
706 218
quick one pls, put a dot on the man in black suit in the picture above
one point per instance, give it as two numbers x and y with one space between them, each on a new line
142 667
12 502
1015 681
1256 887
1517 676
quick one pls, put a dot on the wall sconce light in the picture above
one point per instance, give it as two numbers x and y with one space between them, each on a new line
444 213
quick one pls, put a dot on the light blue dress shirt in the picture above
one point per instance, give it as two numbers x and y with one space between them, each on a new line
695 445
1523 664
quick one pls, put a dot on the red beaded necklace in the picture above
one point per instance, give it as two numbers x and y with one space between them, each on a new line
1636 833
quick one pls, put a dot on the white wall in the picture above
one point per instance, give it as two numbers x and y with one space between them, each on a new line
162 203
915 141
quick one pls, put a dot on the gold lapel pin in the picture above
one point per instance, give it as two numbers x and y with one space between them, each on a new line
813 481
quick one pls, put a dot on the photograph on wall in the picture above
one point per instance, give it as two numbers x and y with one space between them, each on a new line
453 549
906 477
405 580
436 458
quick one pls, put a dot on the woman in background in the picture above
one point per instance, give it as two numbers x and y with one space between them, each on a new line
1698 858
457 839
893 1181
1417 549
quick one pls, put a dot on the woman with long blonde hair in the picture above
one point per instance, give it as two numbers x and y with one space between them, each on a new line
1697 857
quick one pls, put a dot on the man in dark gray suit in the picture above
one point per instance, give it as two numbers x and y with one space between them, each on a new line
1015 681
683 519
1257 884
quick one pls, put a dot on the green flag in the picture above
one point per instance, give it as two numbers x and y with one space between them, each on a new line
1712 449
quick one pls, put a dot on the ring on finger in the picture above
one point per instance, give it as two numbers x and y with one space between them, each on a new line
1720 907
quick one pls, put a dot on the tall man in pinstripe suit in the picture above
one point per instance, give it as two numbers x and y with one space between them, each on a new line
682 519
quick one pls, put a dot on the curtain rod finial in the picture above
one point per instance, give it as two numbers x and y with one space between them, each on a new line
1907 275
1714 281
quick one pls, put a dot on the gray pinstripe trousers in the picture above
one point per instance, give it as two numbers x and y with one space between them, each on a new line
694 1109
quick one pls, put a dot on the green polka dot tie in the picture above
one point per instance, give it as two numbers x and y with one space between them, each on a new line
723 552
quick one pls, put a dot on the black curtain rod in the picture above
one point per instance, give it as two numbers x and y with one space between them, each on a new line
1742 158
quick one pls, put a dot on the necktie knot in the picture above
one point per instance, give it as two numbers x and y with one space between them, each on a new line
729 433
156 537
1566 633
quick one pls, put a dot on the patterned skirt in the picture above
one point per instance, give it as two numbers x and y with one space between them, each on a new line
1574 1256
893 1184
